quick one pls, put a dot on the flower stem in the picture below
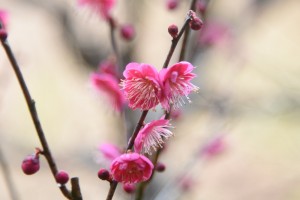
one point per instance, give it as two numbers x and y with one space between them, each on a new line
176 40
114 184
139 125
34 115
186 35
113 41
184 30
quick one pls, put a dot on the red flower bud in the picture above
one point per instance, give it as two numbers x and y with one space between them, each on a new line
172 4
62 177
160 167
104 174
127 32
129 188
31 164
196 24
173 30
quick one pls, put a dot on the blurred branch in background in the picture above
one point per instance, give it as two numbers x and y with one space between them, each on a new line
14 195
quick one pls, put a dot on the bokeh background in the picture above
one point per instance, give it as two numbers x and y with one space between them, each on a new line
249 94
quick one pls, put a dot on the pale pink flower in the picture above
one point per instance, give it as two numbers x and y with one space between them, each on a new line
108 85
102 7
176 84
141 86
214 33
3 18
131 168
110 151
152 136
214 147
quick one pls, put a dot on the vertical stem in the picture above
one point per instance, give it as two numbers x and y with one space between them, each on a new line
7 176
34 116
137 129
186 35
114 184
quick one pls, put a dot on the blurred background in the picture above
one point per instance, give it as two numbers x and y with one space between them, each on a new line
248 65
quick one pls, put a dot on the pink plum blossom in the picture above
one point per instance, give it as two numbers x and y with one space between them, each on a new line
3 18
152 136
109 151
176 84
131 168
141 86
108 85
102 7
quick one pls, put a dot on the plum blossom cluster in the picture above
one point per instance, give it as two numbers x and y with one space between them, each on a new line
144 87
133 167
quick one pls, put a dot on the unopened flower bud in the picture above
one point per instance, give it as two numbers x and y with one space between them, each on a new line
3 34
196 24
160 167
62 177
129 188
173 30
127 32
172 4
104 174
31 164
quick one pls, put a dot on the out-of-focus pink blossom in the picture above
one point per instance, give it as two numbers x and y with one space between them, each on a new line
214 33
214 147
131 168
108 85
152 136
141 86
108 66
176 83
102 7
109 151
201 6
4 18
186 183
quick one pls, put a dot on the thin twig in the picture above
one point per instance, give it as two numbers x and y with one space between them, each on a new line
186 35
33 112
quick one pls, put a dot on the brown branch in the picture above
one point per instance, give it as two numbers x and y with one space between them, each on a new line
34 116
186 35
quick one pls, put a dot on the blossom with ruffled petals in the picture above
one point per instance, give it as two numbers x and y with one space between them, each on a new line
108 85
109 151
176 83
152 136
141 86
102 7
131 168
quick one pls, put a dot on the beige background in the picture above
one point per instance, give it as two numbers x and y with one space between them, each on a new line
258 74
